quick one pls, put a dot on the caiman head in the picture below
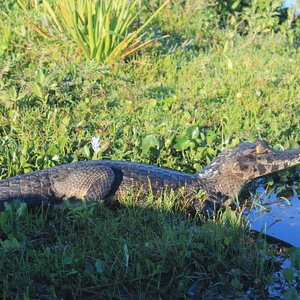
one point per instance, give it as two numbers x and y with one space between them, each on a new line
228 173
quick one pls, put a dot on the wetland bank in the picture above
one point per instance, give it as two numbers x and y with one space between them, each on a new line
216 76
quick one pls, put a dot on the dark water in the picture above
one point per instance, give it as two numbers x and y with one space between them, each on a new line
276 212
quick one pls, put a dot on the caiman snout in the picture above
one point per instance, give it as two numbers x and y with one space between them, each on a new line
228 173
260 159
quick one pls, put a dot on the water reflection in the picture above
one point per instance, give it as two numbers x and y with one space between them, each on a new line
279 285
276 212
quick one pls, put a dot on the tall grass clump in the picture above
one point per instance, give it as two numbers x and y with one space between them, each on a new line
103 30
5 36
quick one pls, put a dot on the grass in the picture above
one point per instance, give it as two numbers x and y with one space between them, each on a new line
55 109
141 250
174 108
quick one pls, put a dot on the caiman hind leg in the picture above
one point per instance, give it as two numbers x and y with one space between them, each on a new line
83 182
75 181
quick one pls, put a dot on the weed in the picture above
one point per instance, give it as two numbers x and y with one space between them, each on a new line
101 29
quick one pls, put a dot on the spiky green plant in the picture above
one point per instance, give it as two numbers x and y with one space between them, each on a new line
101 28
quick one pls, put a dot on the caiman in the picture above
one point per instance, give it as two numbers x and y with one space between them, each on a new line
223 179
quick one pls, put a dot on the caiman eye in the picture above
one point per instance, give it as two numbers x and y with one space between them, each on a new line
260 149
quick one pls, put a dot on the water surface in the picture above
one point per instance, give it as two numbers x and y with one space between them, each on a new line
276 213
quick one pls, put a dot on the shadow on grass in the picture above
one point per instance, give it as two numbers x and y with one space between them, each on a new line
145 250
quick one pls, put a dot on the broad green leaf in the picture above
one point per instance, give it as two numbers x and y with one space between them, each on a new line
295 258
235 5
291 294
148 142
181 143
193 132
236 284
288 274
62 141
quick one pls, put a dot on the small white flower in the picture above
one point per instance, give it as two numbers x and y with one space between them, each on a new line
96 144
259 93
55 158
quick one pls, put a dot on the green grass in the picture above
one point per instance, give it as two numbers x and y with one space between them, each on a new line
140 250
170 108
52 110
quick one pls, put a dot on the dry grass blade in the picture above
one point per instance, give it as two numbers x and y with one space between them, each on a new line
39 30
52 14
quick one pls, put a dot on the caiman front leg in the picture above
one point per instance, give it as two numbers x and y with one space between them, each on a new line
203 203
207 207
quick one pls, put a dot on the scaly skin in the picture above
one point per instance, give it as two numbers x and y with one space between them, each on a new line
93 180
223 179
